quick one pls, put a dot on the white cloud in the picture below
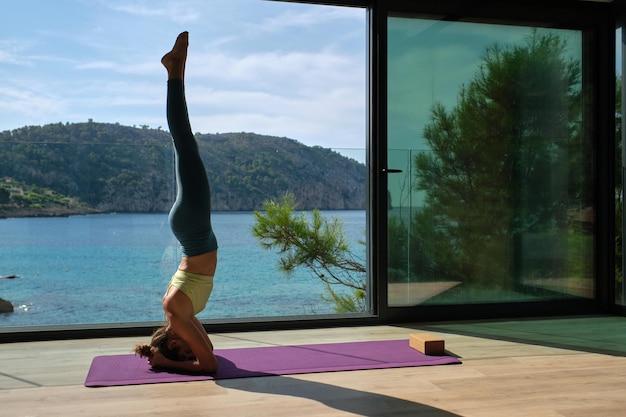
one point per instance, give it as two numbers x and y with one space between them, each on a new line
308 17
32 104
240 76
140 68
182 12
314 97
12 52
296 72
96 65
333 117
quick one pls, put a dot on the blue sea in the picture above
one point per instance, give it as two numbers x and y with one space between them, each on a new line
114 268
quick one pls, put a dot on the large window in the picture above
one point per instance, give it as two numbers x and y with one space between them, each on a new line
277 94
486 143
494 200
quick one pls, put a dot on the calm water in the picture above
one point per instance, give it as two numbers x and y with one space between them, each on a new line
115 268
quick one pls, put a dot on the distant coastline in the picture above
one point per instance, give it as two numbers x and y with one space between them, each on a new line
22 212
58 169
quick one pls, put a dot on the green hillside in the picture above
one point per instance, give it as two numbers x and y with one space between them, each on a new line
85 167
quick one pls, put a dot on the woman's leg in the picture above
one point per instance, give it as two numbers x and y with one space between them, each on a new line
190 216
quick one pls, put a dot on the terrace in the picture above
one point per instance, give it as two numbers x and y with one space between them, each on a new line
574 366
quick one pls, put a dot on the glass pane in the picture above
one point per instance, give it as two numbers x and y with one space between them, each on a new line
494 201
82 138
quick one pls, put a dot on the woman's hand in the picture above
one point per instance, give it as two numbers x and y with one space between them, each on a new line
157 360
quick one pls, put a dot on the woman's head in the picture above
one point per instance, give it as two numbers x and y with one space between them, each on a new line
164 341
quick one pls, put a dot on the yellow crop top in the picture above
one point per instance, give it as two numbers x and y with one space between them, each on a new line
195 286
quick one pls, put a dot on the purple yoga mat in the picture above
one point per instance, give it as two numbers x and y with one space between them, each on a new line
270 360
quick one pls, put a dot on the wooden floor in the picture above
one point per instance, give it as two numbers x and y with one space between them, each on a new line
507 370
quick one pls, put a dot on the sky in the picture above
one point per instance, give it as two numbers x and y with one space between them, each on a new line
280 69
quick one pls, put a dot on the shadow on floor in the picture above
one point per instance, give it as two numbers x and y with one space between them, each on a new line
349 400
597 334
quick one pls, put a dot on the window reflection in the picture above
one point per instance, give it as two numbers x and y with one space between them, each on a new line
494 202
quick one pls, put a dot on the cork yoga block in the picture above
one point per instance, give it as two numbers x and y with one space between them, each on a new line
427 343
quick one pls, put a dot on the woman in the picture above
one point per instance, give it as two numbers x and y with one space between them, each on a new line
183 344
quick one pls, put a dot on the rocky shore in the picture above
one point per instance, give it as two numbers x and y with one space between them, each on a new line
5 306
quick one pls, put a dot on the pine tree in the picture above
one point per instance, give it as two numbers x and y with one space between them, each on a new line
505 160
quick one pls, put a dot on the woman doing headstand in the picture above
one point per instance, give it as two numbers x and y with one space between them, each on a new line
183 344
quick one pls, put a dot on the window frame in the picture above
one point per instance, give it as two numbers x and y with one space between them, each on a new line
596 19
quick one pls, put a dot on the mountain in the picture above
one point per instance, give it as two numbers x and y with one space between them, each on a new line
102 167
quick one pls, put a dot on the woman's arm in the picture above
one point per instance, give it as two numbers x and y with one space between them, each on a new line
200 327
158 361
179 313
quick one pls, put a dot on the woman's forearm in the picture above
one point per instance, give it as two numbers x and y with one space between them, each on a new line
193 367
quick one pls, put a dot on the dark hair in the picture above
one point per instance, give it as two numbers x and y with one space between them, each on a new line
160 337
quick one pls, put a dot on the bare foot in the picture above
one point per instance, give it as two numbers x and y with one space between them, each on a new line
174 61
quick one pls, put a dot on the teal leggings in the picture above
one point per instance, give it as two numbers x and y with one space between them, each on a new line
190 216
